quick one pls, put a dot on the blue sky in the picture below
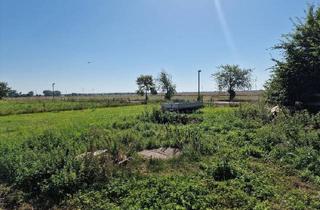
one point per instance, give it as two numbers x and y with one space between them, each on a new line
45 41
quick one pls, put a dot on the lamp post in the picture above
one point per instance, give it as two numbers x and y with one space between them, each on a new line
53 90
199 71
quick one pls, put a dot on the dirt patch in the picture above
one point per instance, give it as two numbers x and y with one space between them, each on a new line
161 153
299 184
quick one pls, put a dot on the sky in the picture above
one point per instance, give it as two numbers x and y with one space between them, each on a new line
104 45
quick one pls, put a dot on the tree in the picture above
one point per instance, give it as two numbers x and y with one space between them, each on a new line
49 93
145 85
296 77
30 94
231 78
166 85
13 93
4 89
57 93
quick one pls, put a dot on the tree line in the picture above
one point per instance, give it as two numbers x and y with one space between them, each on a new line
6 91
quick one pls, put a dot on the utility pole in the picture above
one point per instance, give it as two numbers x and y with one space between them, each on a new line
53 90
199 71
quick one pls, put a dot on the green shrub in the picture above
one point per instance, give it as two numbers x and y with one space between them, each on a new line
164 117
48 167
222 171
154 192
254 112
252 151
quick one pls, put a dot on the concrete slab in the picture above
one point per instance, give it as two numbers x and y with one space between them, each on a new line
160 153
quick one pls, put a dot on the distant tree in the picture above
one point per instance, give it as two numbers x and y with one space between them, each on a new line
145 85
4 89
30 94
47 93
232 78
166 85
13 93
296 77
57 93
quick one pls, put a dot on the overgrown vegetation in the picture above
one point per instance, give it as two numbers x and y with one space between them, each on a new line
296 76
166 117
238 158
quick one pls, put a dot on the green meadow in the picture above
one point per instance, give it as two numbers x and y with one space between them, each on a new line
231 158
15 128
37 105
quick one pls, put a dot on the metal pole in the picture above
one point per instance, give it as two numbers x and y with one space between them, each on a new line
53 90
199 71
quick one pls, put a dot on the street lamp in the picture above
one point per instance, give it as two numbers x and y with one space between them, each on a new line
53 90
199 71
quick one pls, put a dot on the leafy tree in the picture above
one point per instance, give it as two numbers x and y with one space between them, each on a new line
4 89
49 93
57 93
30 94
145 85
13 93
231 78
296 77
166 85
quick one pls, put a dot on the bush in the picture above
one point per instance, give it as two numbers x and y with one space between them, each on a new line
44 166
254 112
164 117
222 171
190 139
154 192
48 167
252 151
292 139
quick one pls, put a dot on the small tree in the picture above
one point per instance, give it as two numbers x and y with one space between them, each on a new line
57 93
166 85
145 85
231 78
4 89
47 93
30 94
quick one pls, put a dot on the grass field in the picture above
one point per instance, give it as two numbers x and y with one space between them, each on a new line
19 127
46 104
36 105
232 158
